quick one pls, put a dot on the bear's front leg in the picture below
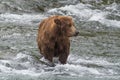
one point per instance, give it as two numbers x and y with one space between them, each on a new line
64 49
64 53
49 53
63 58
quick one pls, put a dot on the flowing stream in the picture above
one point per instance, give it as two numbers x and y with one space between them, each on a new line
94 54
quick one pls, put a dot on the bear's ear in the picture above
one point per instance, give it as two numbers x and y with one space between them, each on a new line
57 21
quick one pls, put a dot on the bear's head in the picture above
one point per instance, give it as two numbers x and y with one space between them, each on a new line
65 26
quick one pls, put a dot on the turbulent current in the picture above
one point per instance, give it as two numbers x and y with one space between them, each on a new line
94 54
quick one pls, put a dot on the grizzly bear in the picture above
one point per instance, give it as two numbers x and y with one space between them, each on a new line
53 37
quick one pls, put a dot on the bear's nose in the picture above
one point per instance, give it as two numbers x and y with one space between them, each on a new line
76 33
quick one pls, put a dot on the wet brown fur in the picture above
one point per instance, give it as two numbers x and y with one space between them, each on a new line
53 37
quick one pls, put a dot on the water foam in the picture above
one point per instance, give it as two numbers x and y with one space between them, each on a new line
101 17
85 13
21 18
24 64
78 10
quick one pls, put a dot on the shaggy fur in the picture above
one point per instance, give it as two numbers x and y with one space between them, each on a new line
53 37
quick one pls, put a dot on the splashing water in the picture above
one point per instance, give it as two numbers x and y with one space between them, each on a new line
95 53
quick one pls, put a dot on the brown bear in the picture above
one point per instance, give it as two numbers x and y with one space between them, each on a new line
53 37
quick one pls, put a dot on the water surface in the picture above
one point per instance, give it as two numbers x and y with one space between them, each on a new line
94 54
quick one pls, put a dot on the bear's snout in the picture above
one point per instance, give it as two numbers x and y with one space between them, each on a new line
76 33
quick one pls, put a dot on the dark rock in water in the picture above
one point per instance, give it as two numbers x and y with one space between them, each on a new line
8 65
19 67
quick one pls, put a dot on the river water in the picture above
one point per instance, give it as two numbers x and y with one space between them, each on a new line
94 54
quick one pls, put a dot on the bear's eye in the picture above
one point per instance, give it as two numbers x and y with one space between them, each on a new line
69 25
